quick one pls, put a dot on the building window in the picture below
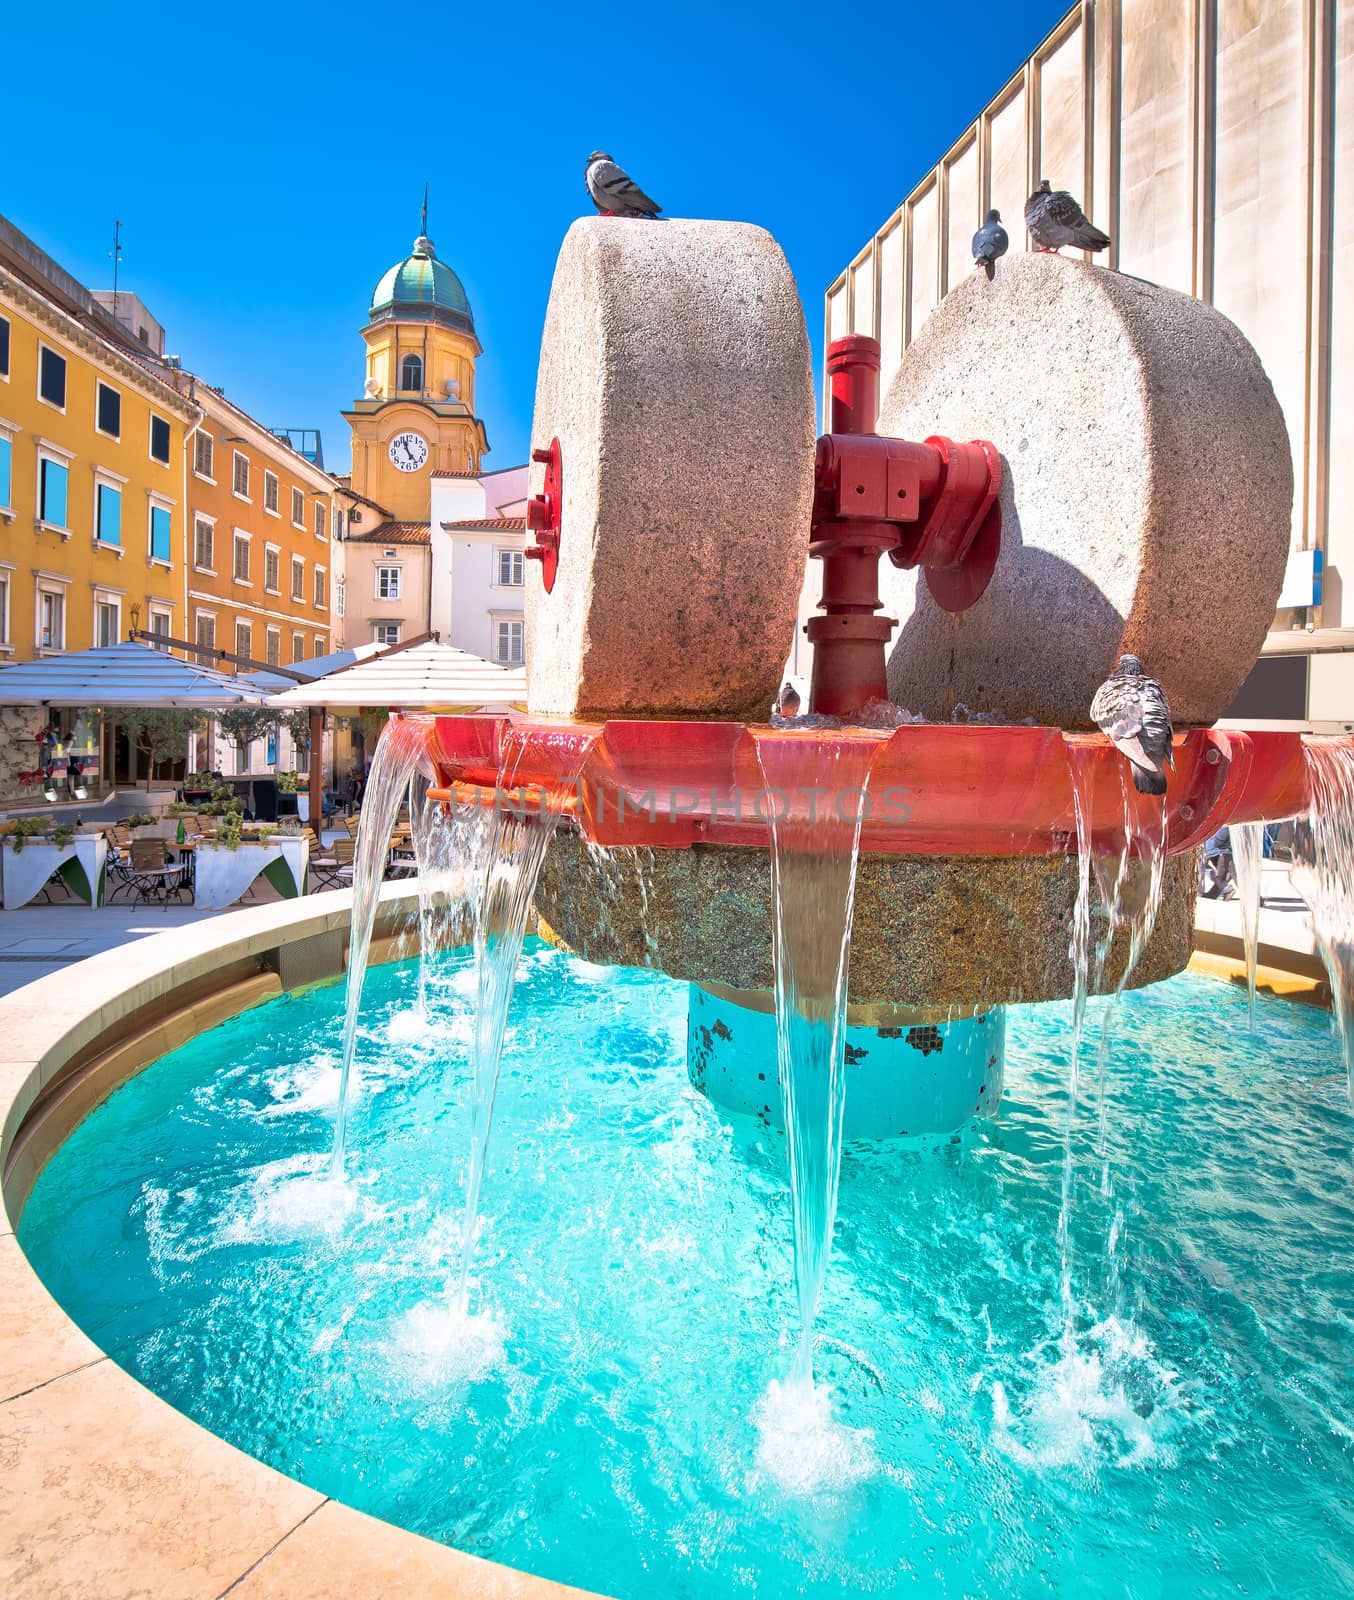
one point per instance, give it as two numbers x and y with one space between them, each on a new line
159 626
239 475
321 645
106 621
6 470
320 597
202 546
508 644
298 578
386 633
4 608
270 493
108 510
272 569
204 450
52 377
244 639
52 492
159 440
273 647
160 534
298 508
51 619
411 374
340 596
109 411
241 570
510 569
298 647
388 583
321 520
4 366
340 524
205 634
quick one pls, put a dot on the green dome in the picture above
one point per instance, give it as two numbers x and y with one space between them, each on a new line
422 286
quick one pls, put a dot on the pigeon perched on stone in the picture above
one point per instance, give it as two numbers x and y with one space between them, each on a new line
1131 708
989 242
1054 219
614 192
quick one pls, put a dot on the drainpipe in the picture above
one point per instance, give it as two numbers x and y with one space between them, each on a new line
187 450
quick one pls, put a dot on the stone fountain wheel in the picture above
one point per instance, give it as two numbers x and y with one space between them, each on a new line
675 373
1146 497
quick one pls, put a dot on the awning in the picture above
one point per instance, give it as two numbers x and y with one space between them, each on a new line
425 677
126 674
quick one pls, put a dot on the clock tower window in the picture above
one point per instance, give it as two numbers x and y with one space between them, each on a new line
411 374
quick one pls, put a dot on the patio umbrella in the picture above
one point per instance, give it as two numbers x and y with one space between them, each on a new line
423 676
124 675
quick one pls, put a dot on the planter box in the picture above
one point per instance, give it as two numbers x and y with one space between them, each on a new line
222 876
81 864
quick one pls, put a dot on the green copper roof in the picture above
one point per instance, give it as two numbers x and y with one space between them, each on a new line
422 285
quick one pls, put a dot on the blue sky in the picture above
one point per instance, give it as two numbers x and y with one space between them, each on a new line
268 162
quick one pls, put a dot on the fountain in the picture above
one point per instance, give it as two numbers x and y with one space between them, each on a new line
847 914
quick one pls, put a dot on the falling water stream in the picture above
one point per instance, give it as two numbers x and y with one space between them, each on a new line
1248 842
399 752
815 813
1323 873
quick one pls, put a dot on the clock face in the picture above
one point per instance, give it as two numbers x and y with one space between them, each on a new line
408 451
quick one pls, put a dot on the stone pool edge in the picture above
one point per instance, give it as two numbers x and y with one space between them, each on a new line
117 1494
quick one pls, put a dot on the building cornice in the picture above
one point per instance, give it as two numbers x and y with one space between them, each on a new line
264 440
77 337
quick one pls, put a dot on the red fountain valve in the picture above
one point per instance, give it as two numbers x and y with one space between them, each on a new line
543 514
932 505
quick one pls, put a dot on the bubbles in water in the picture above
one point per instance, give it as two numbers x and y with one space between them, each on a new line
1106 1400
288 1200
407 1027
442 1341
802 1448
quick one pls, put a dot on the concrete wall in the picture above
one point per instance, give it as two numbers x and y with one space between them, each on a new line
1214 141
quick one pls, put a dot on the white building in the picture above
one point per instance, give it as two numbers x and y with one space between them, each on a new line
478 534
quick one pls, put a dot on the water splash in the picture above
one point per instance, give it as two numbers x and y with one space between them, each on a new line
400 751
1248 850
803 1448
1323 874
814 850
449 839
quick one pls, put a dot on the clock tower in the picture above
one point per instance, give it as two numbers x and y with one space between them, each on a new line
417 415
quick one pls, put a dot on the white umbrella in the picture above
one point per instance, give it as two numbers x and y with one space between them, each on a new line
126 674
425 677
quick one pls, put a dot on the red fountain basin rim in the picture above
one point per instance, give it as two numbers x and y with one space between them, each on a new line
933 789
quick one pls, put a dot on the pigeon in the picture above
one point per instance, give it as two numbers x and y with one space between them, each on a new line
1131 708
787 701
1054 219
614 192
989 242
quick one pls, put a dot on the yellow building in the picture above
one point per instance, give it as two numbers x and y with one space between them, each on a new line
91 477
258 578
418 414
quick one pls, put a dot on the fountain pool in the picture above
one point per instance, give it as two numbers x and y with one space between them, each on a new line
607 1415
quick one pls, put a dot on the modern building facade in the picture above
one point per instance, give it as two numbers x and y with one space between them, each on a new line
1214 141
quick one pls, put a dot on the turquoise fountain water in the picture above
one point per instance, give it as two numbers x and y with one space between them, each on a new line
604 1429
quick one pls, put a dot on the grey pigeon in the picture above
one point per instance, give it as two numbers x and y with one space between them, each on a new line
1054 219
614 192
989 242
1131 708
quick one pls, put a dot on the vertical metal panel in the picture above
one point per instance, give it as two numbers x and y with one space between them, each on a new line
1062 106
863 293
1337 457
964 212
1157 180
925 209
890 302
1010 161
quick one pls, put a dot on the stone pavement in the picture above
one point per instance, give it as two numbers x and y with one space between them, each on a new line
36 941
